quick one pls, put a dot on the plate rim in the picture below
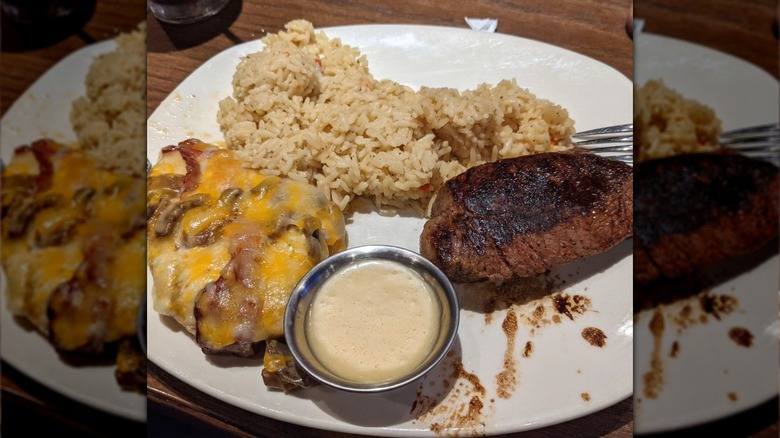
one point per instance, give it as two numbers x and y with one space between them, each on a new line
705 49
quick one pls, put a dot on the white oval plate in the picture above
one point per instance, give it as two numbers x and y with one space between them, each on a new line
563 365
709 365
43 111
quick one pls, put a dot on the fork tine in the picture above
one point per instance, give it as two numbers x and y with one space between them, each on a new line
761 154
607 130
604 140
626 158
768 128
607 141
751 141
761 142
610 148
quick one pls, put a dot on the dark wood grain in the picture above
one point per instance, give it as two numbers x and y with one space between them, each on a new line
745 29
27 53
31 409
758 422
593 28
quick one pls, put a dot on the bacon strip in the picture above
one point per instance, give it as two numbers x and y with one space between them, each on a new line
43 150
190 155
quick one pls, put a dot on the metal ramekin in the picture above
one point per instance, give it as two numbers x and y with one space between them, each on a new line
303 294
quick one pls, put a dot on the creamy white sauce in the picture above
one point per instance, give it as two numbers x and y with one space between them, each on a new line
373 322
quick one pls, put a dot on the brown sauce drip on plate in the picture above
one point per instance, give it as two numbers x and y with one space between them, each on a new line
718 305
460 409
594 336
570 304
741 336
507 378
654 379
675 349
529 348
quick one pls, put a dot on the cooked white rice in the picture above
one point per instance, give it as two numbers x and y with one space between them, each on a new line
666 123
307 107
110 120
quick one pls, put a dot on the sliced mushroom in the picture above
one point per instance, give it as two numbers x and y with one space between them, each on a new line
162 187
202 226
15 188
173 212
21 213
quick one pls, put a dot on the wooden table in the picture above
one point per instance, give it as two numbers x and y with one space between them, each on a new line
27 53
747 30
591 27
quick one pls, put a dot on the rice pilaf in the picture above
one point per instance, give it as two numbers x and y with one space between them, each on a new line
110 119
307 107
666 123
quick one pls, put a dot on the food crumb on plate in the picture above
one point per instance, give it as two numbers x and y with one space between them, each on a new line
459 408
594 336
718 305
741 336
529 348
675 349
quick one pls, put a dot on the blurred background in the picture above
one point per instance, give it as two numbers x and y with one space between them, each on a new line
703 68
47 49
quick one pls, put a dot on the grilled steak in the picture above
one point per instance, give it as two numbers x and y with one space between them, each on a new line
695 210
523 216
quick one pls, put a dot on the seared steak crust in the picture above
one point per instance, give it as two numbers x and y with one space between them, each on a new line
523 216
696 210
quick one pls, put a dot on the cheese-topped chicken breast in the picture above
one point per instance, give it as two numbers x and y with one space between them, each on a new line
73 251
227 244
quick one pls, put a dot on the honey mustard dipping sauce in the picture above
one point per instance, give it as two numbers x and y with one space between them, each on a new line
373 322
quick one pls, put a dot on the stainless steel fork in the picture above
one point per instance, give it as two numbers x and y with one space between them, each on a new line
761 141
615 142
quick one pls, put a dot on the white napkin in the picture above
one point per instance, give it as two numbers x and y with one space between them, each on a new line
482 24
639 24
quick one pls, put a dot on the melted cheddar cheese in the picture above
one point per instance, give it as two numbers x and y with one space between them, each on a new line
33 274
73 246
181 274
228 244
